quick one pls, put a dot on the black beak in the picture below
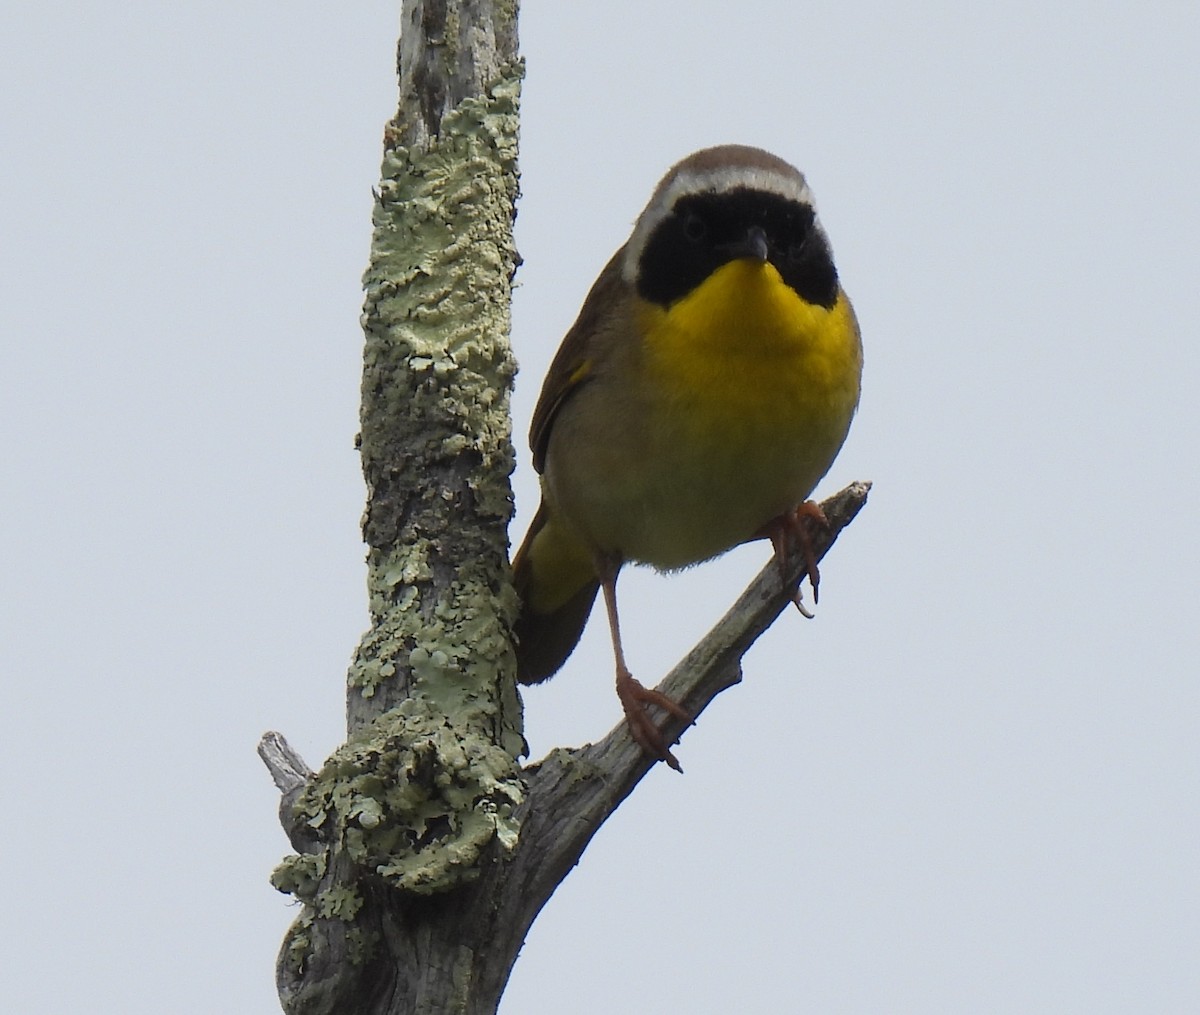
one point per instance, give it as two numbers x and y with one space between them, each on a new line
753 245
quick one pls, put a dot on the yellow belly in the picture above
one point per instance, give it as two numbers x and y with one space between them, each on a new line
747 393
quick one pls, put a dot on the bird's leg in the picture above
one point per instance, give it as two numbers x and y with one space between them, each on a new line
634 697
781 531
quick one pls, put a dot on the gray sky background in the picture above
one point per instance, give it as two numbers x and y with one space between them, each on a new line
970 785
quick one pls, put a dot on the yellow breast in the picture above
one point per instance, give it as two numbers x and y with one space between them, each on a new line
753 390
745 347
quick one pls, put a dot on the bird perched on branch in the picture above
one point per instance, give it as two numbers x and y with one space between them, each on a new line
705 388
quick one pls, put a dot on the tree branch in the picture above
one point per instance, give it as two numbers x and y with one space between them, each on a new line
291 776
572 792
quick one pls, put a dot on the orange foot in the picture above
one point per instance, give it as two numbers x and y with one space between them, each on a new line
634 699
790 527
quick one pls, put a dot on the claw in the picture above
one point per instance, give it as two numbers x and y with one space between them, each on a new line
634 699
798 602
788 527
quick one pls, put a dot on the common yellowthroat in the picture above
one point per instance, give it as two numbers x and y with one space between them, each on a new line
705 388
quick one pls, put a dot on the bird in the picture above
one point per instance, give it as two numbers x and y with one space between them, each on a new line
705 388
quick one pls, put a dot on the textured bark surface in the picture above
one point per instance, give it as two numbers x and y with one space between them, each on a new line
458 948
424 849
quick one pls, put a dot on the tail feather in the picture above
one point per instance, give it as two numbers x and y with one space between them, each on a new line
545 639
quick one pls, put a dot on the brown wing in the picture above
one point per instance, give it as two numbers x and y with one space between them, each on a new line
572 364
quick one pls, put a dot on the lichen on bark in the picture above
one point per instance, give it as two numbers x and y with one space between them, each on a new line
429 777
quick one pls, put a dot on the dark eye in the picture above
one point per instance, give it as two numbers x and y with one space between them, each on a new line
797 248
694 227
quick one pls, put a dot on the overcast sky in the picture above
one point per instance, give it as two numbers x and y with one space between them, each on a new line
970 785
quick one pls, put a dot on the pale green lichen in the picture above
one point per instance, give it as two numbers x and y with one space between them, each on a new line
299 875
297 944
452 653
421 791
437 298
410 801
575 765
441 257
361 944
338 902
